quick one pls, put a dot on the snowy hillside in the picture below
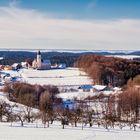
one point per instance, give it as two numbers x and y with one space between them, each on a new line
36 130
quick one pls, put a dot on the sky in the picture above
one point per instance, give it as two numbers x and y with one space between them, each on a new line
70 24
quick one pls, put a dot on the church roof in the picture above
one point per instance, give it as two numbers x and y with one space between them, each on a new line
46 61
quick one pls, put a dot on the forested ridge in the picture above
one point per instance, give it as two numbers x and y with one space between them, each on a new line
11 57
109 70
69 58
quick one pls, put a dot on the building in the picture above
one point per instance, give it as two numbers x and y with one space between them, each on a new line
16 66
39 60
86 88
24 64
62 66
68 104
41 64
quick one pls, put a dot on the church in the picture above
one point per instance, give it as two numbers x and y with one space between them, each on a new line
41 64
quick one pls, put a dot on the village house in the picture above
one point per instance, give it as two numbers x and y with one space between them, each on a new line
16 66
85 88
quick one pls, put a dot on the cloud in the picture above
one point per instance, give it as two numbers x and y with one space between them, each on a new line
28 28
13 3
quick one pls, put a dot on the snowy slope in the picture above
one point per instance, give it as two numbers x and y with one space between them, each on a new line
18 108
55 132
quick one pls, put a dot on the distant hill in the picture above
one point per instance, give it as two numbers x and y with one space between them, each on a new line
58 56
135 53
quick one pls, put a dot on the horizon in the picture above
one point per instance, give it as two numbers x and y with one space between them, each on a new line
68 50
85 24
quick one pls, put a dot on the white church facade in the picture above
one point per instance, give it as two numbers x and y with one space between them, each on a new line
41 64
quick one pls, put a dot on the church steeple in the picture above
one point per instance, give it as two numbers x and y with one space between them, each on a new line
39 63
39 53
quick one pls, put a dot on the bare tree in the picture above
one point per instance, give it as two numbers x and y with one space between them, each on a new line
76 115
64 115
46 108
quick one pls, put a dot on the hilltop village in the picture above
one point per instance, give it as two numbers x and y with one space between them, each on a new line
89 75
41 71
38 63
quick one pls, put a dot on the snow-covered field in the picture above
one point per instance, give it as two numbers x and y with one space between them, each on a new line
78 95
55 132
69 76
124 56
36 131
59 77
83 95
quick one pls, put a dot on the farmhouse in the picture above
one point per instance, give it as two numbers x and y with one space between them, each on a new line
68 104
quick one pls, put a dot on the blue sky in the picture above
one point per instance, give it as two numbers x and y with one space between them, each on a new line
83 9
65 24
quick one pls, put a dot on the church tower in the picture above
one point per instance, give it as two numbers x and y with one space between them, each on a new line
39 63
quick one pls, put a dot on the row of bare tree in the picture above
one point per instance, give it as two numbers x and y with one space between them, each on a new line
107 111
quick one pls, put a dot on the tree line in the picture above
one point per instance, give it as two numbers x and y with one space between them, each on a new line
23 56
108 70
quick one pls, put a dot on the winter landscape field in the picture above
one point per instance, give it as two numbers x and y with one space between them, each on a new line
55 132
36 130
69 76
71 82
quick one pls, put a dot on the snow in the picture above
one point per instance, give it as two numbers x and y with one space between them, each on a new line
17 107
58 77
69 76
32 132
1 58
11 72
84 95
99 87
4 98
78 95
124 56
117 88
35 131
108 92
29 132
